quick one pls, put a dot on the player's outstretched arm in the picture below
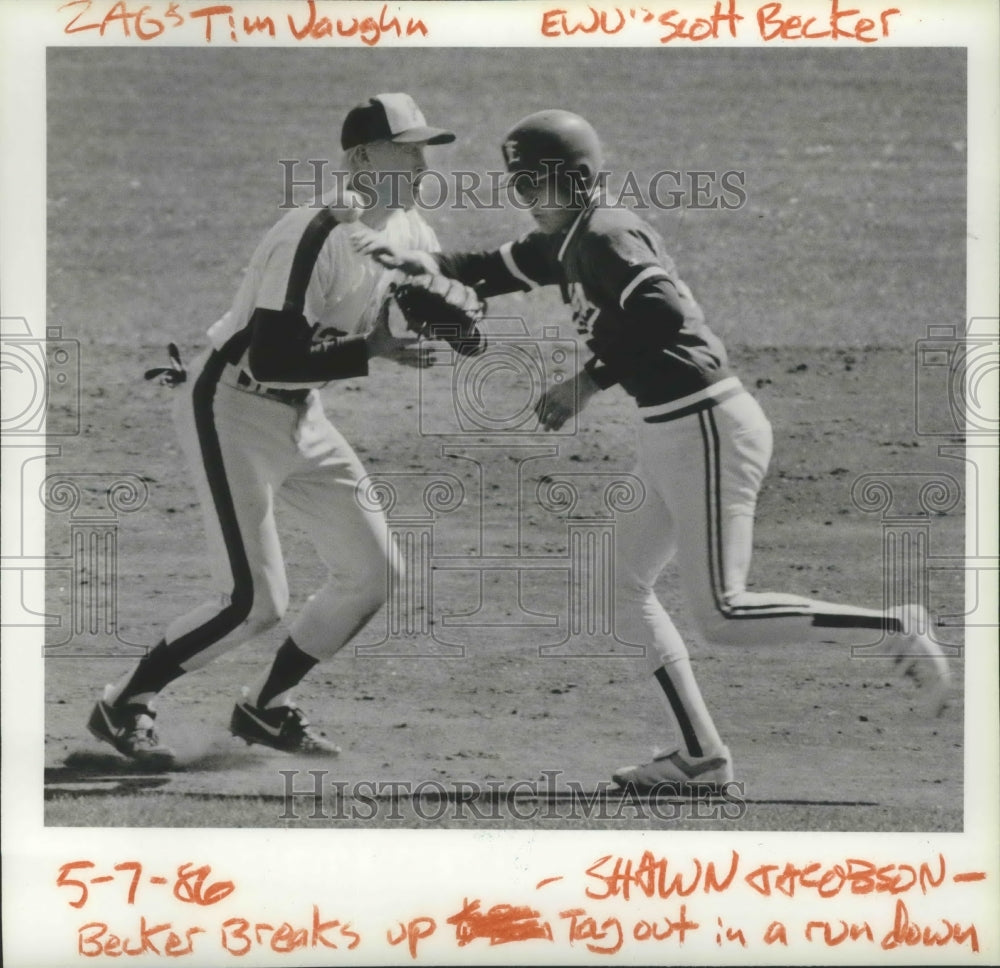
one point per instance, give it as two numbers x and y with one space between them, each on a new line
411 261
490 273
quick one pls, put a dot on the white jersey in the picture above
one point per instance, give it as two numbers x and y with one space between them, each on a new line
342 290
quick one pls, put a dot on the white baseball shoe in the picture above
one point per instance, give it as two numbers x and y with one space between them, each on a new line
919 658
676 772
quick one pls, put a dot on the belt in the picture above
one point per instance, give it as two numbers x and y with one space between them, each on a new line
294 397
693 402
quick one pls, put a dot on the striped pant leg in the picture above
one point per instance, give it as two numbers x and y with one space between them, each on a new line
237 445
708 467
350 537
645 540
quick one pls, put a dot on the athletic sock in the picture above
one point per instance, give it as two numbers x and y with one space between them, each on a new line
287 670
155 671
686 708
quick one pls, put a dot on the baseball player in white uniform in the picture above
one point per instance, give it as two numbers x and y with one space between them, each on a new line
310 310
703 442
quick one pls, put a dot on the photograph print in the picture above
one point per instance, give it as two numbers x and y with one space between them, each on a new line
557 439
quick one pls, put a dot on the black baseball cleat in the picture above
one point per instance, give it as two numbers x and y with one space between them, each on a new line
282 728
130 730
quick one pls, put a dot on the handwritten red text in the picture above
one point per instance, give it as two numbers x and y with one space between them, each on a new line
240 936
653 876
190 884
906 933
501 923
413 932
854 876
773 21
217 22
96 939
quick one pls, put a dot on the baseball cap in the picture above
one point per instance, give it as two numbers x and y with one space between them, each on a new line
390 117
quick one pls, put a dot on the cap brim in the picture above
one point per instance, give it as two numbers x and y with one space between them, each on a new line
429 136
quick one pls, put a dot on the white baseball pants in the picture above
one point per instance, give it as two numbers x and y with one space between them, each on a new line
702 472
245 450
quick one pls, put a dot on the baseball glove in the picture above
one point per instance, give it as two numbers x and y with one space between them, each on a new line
437 307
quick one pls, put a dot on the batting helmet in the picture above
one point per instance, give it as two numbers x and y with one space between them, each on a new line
553 140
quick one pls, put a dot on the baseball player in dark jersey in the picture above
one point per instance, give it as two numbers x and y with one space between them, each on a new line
310 310
703 442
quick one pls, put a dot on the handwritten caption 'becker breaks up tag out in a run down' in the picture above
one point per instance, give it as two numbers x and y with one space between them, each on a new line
635 902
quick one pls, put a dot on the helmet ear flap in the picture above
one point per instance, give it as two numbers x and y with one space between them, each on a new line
588 173
577 180
582 179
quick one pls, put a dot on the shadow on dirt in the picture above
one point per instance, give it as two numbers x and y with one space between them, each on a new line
88 773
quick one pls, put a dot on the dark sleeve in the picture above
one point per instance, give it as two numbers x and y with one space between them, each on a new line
284 347
515 266
283 350
625 274
630 282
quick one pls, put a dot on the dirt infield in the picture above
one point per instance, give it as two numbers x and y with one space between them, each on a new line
163 168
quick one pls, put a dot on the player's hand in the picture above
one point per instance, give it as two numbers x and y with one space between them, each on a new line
405 350
415 354
411 261
560 401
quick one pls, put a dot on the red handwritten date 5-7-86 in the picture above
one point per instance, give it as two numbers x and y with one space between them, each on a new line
189 884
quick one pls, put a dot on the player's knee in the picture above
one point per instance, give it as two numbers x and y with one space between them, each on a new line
371 596
369 585
631 589
265 614
719 626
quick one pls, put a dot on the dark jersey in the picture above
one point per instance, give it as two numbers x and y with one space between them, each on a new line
644 327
